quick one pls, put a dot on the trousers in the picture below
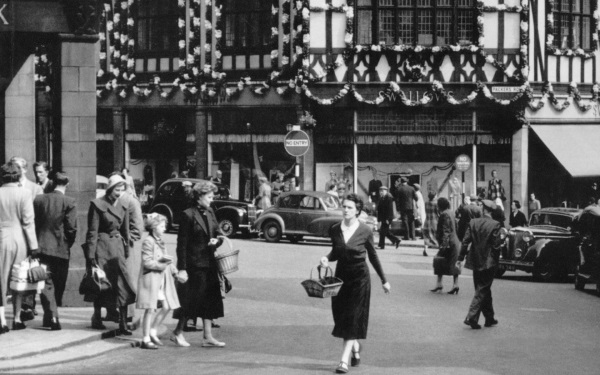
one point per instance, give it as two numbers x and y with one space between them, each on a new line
51 296
384 231
482 300
408 223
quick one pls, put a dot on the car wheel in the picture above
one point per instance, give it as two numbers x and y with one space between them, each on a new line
272 231
294 238
499 273
165 213
579 281
227 227
543 271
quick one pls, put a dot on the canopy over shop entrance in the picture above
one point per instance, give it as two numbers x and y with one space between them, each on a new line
577 147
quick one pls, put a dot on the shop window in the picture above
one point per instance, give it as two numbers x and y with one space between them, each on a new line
429 121
247 25
573 24
416 22
157 27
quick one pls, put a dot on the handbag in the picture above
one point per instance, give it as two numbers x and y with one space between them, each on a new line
94 282
20 280
440 265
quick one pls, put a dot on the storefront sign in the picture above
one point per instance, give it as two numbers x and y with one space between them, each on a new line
296 143
507 89
4 14
463 162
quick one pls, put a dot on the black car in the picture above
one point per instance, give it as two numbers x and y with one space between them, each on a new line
548 248
588 270
233 215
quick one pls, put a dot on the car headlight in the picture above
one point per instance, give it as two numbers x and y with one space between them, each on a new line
241 212
503 233
518 253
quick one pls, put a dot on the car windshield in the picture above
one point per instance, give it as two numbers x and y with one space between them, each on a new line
561 221
331 202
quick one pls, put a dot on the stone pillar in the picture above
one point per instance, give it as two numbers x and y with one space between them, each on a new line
520 167
201 119
118 139
308 164
78 141
20 116
43 129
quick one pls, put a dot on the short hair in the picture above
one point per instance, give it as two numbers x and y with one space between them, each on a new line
153 220
61 178
517 204
332 186
357 201
339 184
117 173
494 171
11 172
443 204
21 162
42 164
431 195
125 169
203 188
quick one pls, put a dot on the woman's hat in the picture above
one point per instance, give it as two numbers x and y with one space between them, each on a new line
114 180
383 187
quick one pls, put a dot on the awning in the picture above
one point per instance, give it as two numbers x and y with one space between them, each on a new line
577 147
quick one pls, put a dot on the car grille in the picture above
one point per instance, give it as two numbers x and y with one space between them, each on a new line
515 241
251 214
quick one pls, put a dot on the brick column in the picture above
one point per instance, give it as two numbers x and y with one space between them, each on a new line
520 167
78 141
201 119
20 116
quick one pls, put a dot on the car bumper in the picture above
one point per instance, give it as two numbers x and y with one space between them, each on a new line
250 227
513 265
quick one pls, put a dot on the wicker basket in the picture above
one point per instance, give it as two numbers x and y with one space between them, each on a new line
228 261
324 287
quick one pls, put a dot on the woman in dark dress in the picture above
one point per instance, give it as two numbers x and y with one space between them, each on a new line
196 245
449 246
107 247
352 244
517 218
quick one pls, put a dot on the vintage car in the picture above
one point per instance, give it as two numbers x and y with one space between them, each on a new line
303 213
588 269
232 215
548 248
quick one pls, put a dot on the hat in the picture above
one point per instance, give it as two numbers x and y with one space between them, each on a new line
186 183
403 179
489 204
113 181
383 187
473 197
417 186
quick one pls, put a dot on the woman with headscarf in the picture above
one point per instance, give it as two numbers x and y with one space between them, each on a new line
17 234
107 247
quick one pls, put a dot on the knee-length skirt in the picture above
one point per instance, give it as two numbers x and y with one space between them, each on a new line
351 306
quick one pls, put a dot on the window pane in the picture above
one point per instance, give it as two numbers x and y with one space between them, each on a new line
386 3
585 36
425 28
564 6
386 26
586 7
576 6
444 3
444 27
229 30
465 27
405 27
423 3
576 32
364 27
143 34
364 3
564 31
465 3
405 3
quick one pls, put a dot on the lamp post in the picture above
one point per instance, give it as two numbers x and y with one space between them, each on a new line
249 127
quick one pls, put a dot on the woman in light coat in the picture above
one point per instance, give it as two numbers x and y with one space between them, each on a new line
17 235
156 285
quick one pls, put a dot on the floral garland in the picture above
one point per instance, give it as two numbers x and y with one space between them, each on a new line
572 92
102 38
42 68
218 36
550 30
208 30
302 33
274 34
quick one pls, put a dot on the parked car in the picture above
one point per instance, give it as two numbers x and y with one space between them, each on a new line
548 248
101 185
303 213
233 215
588 267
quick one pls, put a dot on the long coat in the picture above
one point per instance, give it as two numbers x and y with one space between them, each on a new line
55 223
107 242
448 240
17 231
193 250
152 275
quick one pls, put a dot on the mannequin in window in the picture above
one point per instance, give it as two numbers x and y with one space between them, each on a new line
333 180
348 179
374 186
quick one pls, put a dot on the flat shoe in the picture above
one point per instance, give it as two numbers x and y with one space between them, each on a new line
18 326
213 344
148 345
215 325
491 323
4 329
472 324
342 368
355 362
179 341
156 340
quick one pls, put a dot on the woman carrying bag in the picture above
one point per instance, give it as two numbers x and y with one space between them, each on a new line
444 262
352 244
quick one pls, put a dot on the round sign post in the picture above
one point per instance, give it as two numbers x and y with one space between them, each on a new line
296 143
463 164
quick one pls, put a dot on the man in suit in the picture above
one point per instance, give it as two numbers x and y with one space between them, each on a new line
385 215
405 204
484 236
56 229
467 212
41 170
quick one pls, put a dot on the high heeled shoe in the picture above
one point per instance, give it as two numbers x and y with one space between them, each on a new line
439 288
454 290
354 361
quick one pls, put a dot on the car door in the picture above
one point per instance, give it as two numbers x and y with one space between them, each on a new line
288 210
310 209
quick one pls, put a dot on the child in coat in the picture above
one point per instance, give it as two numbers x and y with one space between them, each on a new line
156 285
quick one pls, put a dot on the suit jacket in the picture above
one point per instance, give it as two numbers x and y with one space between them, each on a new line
48 187
385 208
33 188
483 234
55 223
467 213
193 250
406 198
374 186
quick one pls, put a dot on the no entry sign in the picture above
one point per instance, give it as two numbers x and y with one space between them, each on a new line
296 143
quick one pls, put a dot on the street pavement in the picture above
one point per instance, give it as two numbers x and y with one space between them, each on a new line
272 327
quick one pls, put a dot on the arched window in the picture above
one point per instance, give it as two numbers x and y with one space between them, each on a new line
247 24
573 24
157 26
416 22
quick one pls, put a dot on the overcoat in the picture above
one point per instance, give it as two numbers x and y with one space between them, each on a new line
448 241
55 223
152 275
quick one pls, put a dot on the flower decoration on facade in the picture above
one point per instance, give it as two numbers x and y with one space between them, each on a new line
550 30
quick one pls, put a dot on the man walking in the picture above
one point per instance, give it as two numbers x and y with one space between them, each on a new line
467 212
56 229
385 215
406 198
41 170
484 236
